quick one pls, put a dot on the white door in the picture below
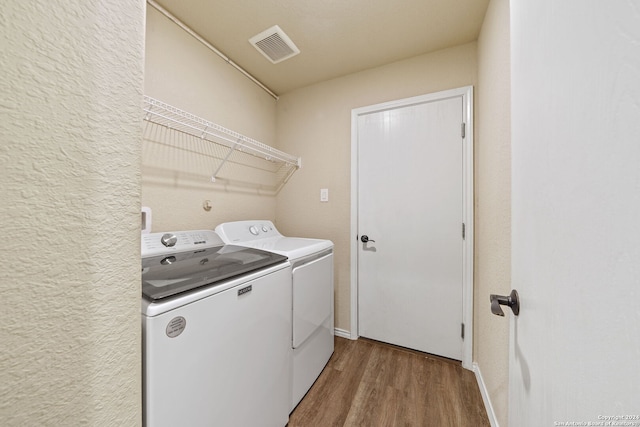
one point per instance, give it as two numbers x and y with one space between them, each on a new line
410 205
575 346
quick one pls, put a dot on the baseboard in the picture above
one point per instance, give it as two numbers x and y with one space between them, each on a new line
485 396
342 333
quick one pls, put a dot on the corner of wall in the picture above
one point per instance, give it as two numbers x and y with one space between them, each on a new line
493 206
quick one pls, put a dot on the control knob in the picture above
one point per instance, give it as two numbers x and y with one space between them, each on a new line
169 239
254 230
168 260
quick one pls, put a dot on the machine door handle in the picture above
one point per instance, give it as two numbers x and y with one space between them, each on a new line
364 239
512 301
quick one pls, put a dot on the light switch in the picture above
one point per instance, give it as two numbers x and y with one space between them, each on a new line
324 194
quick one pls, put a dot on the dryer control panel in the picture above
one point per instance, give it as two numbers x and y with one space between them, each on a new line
245 231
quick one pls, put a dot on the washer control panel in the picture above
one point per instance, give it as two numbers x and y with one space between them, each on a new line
178 241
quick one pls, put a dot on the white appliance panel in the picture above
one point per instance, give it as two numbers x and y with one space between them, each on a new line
152 244
246 231
310 359
230 365
312 297
262 234
293 247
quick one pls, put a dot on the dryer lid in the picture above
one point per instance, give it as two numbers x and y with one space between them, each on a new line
292 247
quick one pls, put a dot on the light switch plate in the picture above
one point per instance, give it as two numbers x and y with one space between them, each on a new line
324 194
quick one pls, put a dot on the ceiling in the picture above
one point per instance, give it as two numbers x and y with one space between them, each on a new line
335 37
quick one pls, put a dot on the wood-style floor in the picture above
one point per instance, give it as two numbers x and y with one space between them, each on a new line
368 383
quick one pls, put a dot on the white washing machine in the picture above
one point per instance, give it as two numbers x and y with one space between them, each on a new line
216 332
312 294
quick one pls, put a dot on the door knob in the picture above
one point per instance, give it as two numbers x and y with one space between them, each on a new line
512 301
365 239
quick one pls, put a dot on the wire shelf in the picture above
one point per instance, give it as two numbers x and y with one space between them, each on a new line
175 119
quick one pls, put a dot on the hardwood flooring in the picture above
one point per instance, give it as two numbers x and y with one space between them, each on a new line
368 383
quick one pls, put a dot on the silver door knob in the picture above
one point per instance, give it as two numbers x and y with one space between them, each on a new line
512 301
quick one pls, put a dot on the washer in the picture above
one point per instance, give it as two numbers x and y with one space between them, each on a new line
312 294
216 332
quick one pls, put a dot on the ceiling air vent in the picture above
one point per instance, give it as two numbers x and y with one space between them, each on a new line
274 44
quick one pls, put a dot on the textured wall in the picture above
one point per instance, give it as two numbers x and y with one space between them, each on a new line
315 122
70 285
176 171
493 203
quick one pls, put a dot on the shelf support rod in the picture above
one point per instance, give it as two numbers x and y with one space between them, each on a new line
195 35
231 150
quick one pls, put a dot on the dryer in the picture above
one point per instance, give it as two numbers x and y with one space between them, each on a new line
312 329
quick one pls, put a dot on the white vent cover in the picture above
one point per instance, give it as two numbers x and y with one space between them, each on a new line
274 44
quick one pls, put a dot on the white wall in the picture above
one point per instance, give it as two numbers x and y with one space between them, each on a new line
181 71
575 211
71 87
493 204
315 122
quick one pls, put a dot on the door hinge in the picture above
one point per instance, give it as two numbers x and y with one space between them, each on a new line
463 129
464 231
462 330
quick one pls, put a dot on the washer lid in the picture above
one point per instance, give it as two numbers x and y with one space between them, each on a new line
167 275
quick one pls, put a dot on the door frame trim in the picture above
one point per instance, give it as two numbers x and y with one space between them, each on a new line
467 206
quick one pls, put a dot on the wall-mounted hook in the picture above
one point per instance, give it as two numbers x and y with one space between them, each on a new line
512 301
